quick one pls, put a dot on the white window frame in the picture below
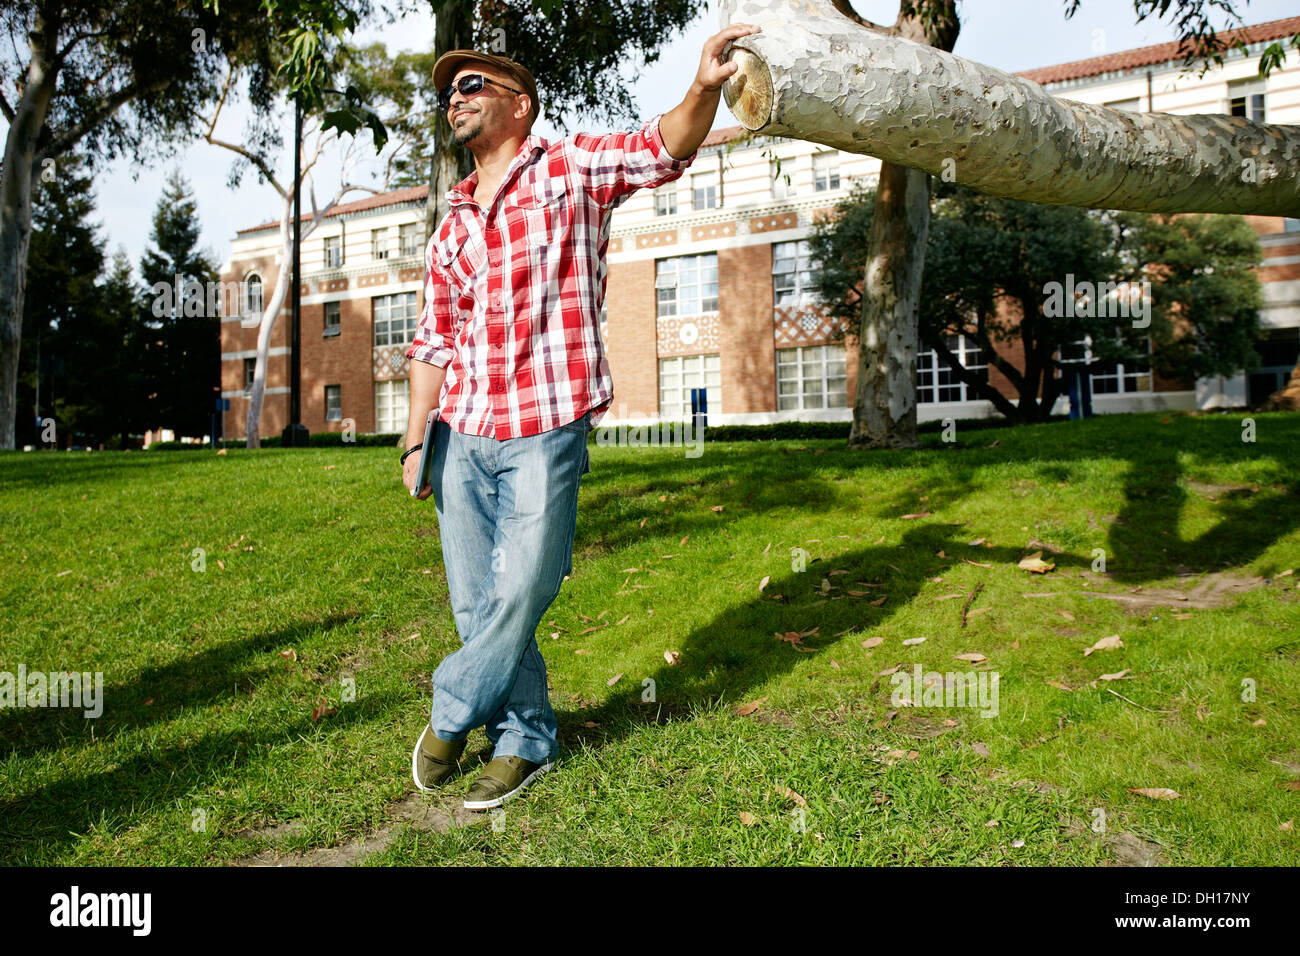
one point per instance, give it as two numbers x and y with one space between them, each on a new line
928 362
827 177
1253 96
337 393
410 238
392 405
382 310
665 199
1120 376
782 190
808 372
704 190
333 246
678 374
690 299
793 287
254 291
332 329
379 243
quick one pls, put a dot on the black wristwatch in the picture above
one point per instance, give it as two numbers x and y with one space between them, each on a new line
409 450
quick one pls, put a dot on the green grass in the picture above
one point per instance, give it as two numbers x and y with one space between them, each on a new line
330 569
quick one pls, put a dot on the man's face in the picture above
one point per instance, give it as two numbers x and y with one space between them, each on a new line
488 114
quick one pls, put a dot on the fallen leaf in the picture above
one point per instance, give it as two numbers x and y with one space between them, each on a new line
978 564
717 507
977 542
791 795
1105 644
763 583
919 514
889 670
913 640
1035 563
744 710
1260 723
1290 785
980 748
1155 793
322 709
613 680
1288 825
878 602
1066 614
1059 686
748 819
993 823
683 541
590 723
290 654
974 657
873 642
583 651
1119 676
672 657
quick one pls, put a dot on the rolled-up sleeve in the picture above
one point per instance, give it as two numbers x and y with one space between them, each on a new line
436 334
615 164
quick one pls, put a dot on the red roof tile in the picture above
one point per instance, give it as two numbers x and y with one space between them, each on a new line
1159 53
393 198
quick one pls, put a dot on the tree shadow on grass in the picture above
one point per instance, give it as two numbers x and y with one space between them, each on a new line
171 778
197 681
740 650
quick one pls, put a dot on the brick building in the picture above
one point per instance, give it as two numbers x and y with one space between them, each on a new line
709 280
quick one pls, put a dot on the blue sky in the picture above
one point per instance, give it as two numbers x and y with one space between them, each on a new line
1008 34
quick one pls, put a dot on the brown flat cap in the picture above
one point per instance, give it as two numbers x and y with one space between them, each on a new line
447 65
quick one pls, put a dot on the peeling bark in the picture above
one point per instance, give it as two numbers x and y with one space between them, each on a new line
814 74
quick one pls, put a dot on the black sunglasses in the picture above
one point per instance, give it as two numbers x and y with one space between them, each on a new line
468 85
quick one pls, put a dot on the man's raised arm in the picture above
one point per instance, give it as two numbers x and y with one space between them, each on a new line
684 127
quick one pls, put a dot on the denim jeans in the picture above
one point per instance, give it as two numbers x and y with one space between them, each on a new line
507 511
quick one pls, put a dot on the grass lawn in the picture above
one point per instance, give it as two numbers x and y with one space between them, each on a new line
227 734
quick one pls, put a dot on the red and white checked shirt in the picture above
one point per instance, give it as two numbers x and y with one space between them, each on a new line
513 292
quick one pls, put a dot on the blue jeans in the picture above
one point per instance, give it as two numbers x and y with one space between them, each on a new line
507 511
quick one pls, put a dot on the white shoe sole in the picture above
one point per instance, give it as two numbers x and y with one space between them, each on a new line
497 801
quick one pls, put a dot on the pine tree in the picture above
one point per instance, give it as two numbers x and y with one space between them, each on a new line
182 360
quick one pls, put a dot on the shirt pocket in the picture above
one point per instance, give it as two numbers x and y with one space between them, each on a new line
461 257
541 211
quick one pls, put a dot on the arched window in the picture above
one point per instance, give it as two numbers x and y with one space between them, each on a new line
253 295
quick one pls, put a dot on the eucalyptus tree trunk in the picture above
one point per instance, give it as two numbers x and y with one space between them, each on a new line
449 164
20 170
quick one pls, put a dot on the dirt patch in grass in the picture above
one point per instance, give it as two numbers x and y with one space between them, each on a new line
438 812
1213 590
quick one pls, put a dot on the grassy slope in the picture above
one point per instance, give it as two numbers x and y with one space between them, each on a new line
336 564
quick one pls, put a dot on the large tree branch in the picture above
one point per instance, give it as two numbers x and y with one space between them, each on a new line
814 74
106 107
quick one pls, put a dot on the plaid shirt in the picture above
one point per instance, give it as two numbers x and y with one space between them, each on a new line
513 292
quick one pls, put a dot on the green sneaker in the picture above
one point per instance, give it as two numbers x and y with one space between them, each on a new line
502 779
434 759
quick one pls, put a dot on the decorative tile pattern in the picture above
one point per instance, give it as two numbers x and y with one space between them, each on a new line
803 326
786 220
648 239
715 230
390 362
688 335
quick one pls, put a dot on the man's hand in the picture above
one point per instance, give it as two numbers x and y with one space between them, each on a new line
685 125
409 476
713 72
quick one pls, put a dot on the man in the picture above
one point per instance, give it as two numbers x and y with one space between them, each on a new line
508 350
